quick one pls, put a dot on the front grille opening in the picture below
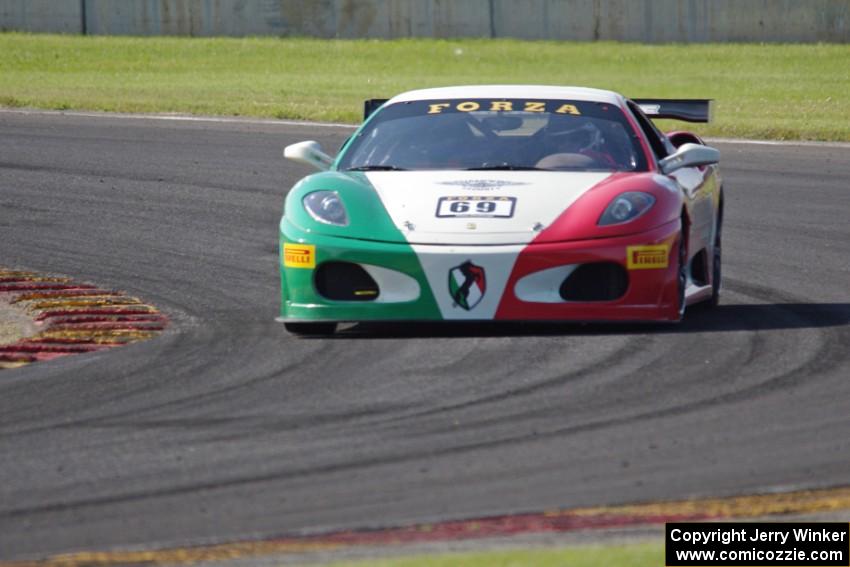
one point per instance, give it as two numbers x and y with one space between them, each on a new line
344 281
600 281
699 268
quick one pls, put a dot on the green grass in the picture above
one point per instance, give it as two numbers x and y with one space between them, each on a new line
762 91
631 555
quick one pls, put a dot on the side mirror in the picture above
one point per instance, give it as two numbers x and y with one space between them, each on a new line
309 152
689 155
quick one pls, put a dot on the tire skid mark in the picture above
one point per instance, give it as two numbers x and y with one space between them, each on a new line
73 318
824 355
178 403
790 376
617 369
821 359
549 382
551 521
755 346
818 362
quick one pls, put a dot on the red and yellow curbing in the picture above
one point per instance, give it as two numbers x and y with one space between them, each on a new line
73 318
555 521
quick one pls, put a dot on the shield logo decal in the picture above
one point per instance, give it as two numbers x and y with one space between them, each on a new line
467 284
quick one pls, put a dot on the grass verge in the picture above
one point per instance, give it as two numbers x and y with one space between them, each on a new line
633 555
762 91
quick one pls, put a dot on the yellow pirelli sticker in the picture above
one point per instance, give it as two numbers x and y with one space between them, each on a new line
648 257
299 255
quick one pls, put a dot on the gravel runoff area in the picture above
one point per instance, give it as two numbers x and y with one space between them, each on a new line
15 324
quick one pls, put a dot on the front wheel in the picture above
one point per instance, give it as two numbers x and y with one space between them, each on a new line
310 329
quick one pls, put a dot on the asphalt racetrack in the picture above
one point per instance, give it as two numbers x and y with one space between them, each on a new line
226 427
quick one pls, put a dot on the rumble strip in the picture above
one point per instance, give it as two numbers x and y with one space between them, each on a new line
72 318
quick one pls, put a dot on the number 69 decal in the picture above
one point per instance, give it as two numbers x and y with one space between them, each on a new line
493 207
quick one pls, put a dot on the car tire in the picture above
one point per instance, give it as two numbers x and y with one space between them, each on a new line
311 329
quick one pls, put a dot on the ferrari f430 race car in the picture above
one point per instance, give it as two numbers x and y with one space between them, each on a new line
529 203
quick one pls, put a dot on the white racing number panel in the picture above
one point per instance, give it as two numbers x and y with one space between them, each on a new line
476 206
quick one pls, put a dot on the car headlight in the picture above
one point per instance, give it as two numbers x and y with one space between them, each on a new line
626 207
326 207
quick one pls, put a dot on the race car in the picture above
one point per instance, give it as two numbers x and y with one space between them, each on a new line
514 203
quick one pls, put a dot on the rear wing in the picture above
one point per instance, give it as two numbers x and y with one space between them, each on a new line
371 105
687 109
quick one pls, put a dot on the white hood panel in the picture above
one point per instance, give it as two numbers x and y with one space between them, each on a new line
412 197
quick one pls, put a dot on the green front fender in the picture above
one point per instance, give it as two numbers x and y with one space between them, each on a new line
300 301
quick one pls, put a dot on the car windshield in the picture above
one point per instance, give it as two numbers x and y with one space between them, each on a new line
490 134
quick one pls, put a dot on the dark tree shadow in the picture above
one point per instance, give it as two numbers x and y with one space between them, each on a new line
755 317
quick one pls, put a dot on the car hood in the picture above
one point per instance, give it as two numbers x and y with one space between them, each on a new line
412 199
